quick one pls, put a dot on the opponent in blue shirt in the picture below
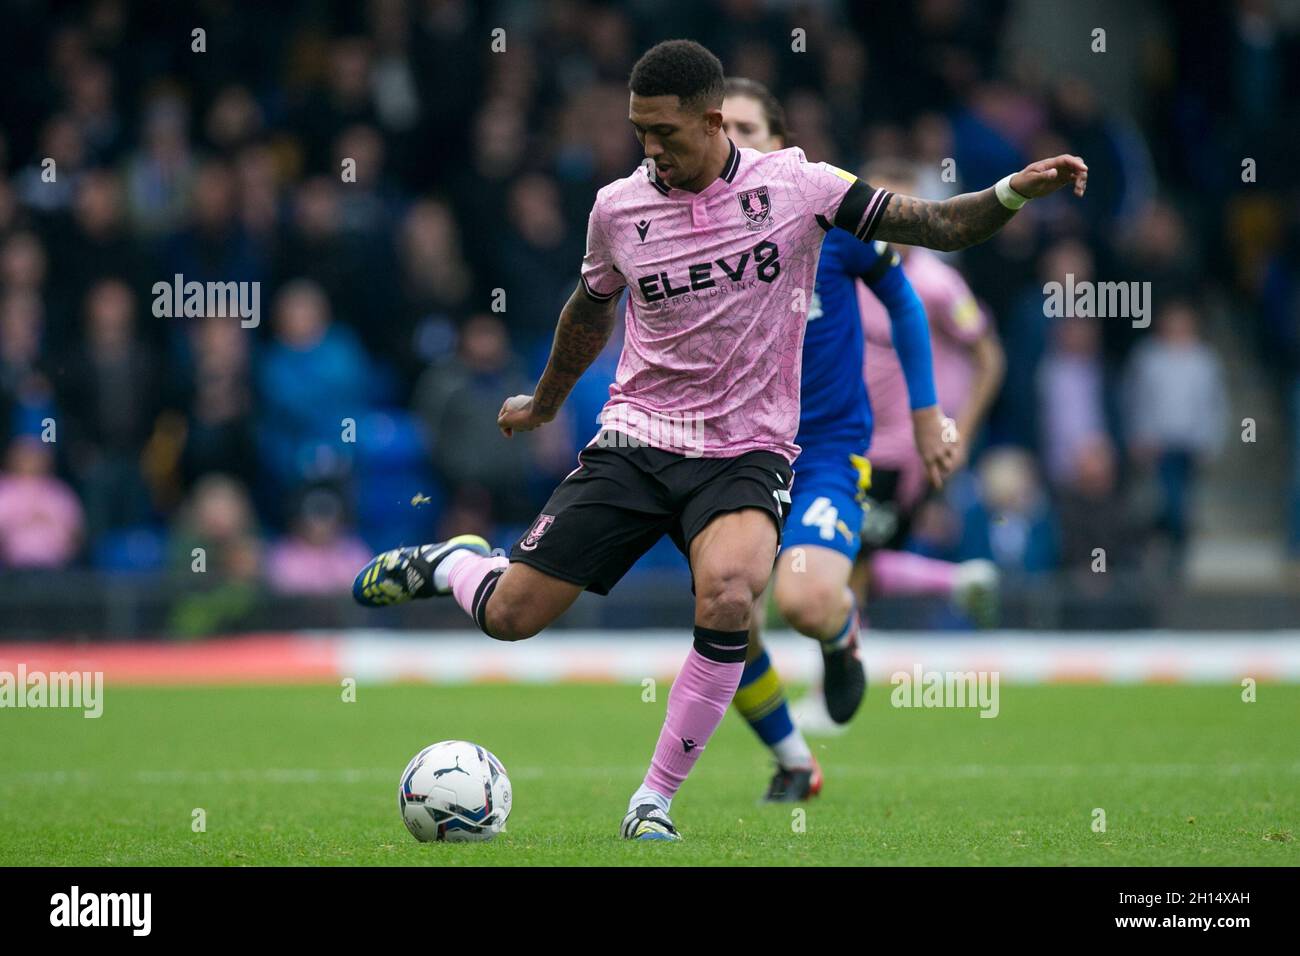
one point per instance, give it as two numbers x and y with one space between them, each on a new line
832 474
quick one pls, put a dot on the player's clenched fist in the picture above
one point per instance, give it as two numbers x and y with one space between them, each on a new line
518 415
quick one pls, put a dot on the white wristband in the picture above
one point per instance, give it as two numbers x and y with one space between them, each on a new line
1008 196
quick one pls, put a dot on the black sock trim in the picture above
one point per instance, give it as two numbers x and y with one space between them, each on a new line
721 647
485 589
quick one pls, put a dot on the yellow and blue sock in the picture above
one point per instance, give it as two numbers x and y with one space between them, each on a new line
845 635
761 701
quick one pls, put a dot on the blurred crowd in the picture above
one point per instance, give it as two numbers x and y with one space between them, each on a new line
403 303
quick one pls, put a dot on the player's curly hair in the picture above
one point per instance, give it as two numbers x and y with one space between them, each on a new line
773 111
681 68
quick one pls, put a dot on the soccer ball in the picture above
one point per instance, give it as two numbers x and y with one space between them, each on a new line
454 791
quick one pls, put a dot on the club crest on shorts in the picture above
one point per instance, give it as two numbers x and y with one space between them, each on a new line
536 531
756 204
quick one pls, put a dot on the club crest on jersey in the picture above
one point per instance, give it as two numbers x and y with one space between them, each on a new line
536 531
756 204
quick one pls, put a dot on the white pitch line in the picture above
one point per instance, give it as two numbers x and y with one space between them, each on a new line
298 776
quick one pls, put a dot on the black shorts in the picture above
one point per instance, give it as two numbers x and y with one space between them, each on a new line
619 501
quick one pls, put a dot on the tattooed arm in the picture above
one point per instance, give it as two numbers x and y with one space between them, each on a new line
971 218
584 328
945 225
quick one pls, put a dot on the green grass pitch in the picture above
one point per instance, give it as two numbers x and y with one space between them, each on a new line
295 775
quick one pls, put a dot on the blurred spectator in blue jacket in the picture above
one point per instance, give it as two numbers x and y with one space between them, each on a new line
313 385
1010 522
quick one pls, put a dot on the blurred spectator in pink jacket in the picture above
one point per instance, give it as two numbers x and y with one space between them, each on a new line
41 521
320 555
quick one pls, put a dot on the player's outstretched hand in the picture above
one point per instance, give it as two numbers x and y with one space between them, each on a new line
937 442
1049 175
518 415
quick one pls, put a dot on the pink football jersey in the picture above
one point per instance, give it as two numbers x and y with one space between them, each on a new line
718 285
956 322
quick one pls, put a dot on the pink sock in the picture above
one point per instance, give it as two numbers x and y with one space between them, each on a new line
472 581
902 572
696 705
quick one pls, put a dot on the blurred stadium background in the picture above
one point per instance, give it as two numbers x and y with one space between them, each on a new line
475 171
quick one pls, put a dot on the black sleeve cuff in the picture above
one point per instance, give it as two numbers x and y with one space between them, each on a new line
862 209
599 296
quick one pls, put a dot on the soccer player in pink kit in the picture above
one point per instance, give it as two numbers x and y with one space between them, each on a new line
715 247
968 370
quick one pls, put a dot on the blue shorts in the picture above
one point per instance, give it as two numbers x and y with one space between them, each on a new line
827 502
